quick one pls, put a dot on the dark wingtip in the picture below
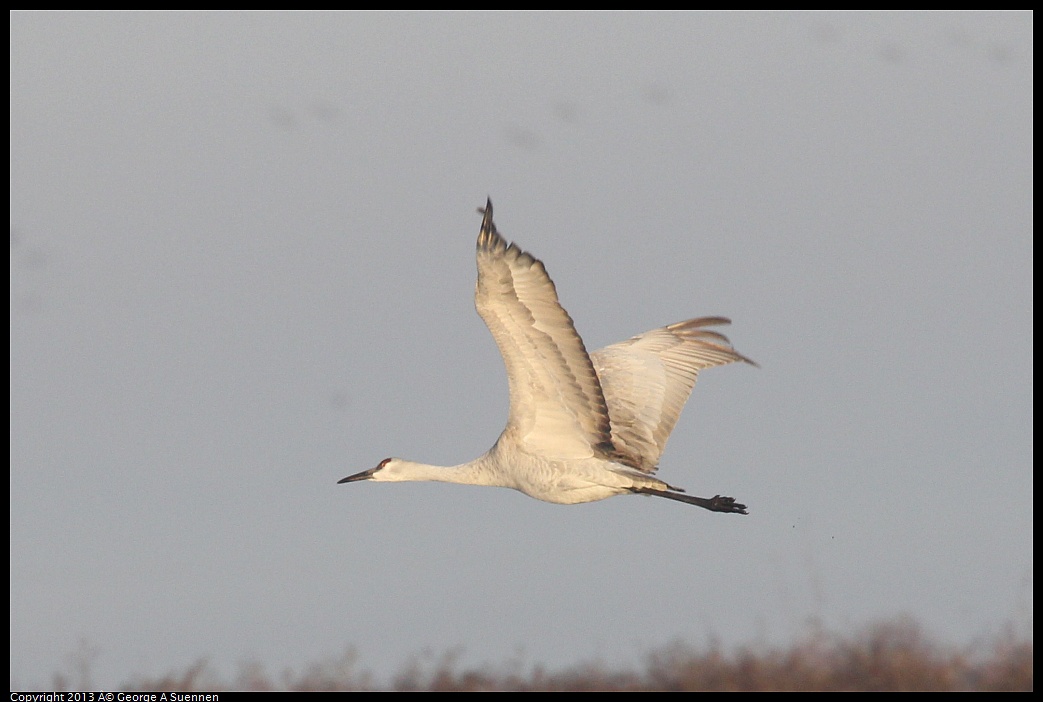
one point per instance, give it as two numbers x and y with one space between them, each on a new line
487 235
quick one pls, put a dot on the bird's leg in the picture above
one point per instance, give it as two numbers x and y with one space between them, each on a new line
717 503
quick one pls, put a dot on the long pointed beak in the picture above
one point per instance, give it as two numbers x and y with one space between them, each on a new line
364 475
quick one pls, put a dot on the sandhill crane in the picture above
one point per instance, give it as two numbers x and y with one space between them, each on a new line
581 427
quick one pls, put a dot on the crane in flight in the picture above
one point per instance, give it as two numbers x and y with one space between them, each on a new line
581 427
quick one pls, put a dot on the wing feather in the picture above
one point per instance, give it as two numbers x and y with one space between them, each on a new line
647 379
557 407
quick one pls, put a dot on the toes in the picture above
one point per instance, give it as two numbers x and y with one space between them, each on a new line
728 504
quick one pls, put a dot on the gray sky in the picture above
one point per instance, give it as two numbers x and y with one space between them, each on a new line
242 267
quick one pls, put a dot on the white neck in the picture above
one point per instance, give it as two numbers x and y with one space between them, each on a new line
476 472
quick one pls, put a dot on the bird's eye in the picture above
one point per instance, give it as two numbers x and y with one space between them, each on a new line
384 463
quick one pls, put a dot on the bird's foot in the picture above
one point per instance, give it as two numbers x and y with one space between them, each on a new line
719 503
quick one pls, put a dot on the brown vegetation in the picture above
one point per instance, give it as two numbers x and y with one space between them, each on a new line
890 656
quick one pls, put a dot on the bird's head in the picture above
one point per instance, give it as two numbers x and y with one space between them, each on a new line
390 470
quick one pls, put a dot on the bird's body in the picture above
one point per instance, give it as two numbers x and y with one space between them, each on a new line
563 481
581 427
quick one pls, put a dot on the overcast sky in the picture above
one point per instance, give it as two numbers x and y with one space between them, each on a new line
242 267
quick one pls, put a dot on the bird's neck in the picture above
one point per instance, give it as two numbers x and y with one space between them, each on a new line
472 473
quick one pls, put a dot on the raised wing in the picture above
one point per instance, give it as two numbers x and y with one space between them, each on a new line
557 407
646 381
